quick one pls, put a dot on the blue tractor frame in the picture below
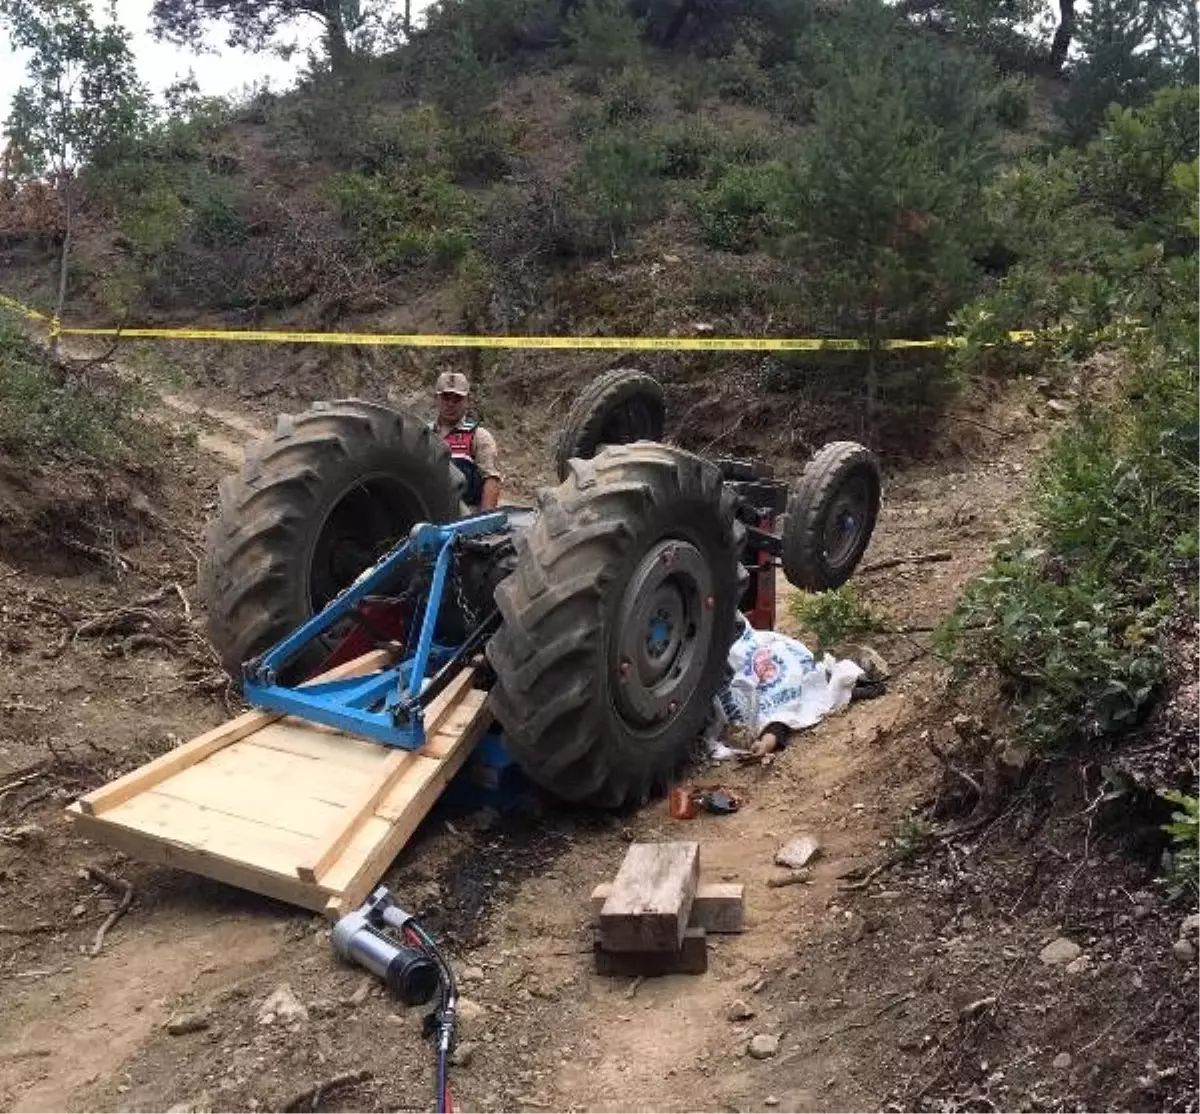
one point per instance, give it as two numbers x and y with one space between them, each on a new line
386 705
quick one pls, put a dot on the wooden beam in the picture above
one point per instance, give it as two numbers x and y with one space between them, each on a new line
187 754
325 853
691 958
719 907
651 899
183 856
450 760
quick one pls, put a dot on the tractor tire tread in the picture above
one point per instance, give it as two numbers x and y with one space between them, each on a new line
254 546
580 438
803 561
549 652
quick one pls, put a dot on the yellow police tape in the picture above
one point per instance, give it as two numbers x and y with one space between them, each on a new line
464 340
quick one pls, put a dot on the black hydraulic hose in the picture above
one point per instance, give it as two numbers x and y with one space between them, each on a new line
446 1014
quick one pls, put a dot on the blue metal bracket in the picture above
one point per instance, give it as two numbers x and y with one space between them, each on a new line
386 705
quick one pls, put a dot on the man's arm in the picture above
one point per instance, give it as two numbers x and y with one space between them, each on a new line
491 494
487 457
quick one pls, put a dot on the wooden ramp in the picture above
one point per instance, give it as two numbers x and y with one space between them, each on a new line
294 810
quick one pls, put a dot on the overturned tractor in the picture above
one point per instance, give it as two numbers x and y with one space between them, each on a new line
601 619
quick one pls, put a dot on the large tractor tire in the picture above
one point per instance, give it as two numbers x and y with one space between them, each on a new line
830 517
622 406
617 623
315 505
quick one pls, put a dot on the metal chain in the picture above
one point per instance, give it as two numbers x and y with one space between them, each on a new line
460 595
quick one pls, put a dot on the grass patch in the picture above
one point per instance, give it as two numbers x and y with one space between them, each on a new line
836 616
47 410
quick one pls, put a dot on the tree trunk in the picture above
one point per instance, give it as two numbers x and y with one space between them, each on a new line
687 8
1062 36
335 37
408 19
68 219
872 407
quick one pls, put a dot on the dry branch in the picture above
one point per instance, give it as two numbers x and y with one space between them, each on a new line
908 559
29 930
118 885
310 1097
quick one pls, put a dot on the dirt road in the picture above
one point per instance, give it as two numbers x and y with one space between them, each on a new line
851 983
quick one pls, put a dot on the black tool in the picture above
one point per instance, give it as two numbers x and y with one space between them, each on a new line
413 967
362 938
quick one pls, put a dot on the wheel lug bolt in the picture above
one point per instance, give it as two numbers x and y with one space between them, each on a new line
626 666
673 707
709 603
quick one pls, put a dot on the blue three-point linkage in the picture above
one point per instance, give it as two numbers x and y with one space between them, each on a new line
384 705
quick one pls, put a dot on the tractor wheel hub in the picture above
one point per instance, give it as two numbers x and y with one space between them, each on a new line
662 630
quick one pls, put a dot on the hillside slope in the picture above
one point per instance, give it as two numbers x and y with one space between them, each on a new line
605 186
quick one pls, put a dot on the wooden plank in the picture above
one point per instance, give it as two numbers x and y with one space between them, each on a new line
651 899
187 754
158 815
284 809
719 907
314 747
691 958
371 852
339 833
177 856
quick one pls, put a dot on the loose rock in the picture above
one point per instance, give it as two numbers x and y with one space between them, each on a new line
798 852
201 1104
471 974
1183 951
463 1054
282 1005
739 1011
1080 965
470 1010
770 1100
1062 1061
1060 952
763 1046
1190 926
182 1023
361 992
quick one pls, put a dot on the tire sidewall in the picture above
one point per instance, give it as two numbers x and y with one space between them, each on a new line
691 521
840 573
807 516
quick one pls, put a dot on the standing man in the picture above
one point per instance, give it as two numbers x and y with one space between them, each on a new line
472 448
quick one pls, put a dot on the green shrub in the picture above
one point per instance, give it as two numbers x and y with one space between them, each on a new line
1077 658
618 182
686 149
1075 625
1129 170
742 78
216 216
1181 861
741 210
1011 102
48 412
603 36
836 616
425 218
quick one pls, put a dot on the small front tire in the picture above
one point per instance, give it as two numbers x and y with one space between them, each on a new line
831 515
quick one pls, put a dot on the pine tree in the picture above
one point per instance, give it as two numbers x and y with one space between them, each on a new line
886 196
